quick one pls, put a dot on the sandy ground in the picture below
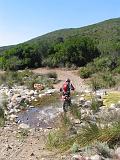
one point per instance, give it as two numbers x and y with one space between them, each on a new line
29 148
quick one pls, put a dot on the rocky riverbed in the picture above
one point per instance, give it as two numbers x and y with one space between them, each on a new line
24 133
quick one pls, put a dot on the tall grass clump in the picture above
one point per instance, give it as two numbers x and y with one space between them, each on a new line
87 135
111 134
92 132
95 105
102 80
2 117
61 138
75 111
95 84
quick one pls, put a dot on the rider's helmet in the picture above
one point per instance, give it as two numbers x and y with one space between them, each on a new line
67 80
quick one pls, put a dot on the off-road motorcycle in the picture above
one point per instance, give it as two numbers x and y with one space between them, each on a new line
66 102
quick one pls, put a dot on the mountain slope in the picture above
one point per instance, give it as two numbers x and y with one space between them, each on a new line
109 28
74 46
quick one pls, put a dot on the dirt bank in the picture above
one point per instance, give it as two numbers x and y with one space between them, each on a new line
63 75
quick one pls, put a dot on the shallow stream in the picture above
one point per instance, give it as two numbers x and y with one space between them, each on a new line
42 117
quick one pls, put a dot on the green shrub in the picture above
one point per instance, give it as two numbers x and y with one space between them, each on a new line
91 66
24 104
1 113
103 149
102 80
117 70
2 117
102 63
109 80
75 148
85 72
95 83
22 134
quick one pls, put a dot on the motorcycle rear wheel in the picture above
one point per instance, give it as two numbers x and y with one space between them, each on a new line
66 105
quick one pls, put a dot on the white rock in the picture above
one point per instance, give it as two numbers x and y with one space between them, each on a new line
117 153
31 106
32 97
87 103
12 117
24 126
96 157
11 111
77 121
112 106
6 112
78 157
82 99
87 158
30 93
118 102
40 95
14 97
50 91
35 92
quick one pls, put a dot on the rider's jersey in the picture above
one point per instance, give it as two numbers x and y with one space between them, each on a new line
67 87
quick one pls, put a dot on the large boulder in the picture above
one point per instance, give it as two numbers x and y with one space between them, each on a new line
38 86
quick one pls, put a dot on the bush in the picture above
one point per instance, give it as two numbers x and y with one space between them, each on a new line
95 84
109 79
103 80
117 70
102 63
52 75
85 72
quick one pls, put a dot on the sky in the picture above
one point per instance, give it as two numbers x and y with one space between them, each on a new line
22 20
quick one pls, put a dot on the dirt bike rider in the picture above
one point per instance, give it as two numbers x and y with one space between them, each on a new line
66 88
